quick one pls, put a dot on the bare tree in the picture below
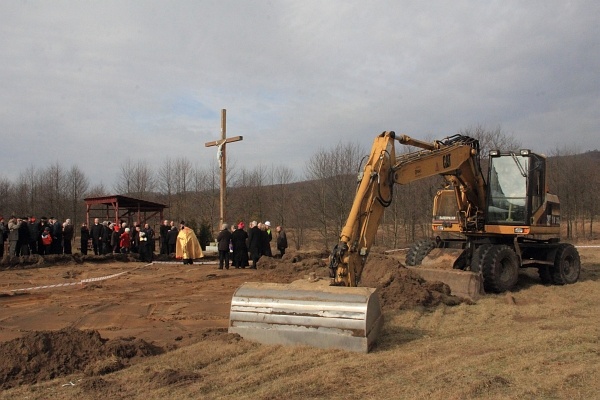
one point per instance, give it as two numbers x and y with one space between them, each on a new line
29 185
77 185
165 179
202 193
98 191
5 195
333 184
492 139
135 179
282 201
125 179
182 178
256 196
565 179
144 181
53 185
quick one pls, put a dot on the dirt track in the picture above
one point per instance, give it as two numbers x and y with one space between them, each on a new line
166 304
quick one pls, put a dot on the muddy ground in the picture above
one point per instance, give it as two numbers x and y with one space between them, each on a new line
96 315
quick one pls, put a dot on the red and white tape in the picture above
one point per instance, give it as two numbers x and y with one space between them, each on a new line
81 282
101 278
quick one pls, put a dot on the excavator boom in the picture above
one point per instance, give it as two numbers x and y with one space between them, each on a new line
455 158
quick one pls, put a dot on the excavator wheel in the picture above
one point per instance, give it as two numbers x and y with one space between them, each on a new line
567 265
418 251
478 257
500 269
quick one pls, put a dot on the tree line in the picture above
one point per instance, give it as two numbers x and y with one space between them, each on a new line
312 205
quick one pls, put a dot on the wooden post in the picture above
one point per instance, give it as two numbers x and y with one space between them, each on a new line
221 146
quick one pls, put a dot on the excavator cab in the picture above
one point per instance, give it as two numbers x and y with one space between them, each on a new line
517 195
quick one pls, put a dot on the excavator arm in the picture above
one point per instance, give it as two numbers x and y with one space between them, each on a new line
455 158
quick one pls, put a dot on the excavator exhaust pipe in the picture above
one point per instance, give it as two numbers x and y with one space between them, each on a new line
307 313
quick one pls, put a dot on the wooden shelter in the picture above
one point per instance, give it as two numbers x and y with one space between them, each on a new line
119 208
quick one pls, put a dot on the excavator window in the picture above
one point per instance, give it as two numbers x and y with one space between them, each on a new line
507 189
536 182
445 207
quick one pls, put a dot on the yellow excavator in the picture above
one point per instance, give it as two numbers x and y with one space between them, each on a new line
499 226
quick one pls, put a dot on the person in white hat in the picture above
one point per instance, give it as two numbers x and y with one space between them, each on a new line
267 238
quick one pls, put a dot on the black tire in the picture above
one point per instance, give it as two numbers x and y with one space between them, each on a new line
500 269
567 265
478 257
418 251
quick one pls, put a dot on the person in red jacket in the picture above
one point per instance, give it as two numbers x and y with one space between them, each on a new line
125 242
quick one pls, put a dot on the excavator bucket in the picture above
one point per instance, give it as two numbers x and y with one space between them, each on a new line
307 313
438 265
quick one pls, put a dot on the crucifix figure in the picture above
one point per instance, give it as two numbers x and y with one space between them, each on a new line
221 144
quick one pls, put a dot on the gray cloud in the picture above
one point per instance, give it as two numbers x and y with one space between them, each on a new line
94 83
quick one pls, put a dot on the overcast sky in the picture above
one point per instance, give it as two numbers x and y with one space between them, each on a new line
94 83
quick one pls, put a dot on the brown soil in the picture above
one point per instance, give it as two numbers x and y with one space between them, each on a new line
401 288
43 355
99 326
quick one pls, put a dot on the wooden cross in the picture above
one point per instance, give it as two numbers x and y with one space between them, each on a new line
222 162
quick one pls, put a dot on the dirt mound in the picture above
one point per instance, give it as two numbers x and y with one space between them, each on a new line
294 265
39 356
399 287
220 335
402 288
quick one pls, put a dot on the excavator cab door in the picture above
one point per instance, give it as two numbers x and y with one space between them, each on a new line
507 189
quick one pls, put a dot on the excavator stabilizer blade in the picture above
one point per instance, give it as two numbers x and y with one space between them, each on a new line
307 313
439 265
462 283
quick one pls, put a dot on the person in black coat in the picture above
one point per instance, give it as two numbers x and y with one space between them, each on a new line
223 242
115 239
150 236
105 237
23 238
68 233
34 235
96 233
240 247
172 239
254 243
282 243
267 237
84 238
3 236
144 247
57 236
164 237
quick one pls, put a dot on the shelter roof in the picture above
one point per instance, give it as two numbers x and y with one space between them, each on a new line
126 202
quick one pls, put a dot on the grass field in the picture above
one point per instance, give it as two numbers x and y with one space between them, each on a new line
538 342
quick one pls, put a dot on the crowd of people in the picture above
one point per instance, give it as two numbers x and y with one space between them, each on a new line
27 235
236 246
109 237
243 249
